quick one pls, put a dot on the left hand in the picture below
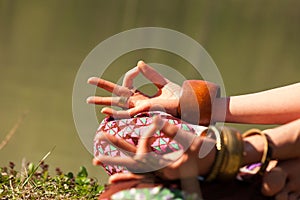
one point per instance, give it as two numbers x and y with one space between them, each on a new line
178 164
134 101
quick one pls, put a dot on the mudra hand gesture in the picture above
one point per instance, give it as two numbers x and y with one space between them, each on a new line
134 101
185 163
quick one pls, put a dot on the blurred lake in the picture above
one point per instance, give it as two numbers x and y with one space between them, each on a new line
255 45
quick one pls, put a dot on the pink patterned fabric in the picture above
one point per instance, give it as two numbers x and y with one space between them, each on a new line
131 130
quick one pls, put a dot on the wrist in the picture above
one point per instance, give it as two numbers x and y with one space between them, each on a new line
253 149
257 150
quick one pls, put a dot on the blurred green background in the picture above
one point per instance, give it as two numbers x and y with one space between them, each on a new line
255 45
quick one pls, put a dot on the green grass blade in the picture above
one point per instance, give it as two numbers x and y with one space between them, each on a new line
37 167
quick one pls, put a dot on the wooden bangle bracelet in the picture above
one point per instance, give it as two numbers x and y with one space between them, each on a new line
196 101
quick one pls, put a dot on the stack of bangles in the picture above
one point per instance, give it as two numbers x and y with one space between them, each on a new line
228 159
198 95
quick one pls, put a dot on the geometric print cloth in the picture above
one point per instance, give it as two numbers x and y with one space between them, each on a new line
154 193
131 129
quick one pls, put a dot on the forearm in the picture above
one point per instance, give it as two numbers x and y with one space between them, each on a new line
276 106
285 140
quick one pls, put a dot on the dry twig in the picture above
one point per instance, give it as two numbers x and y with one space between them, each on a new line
13 130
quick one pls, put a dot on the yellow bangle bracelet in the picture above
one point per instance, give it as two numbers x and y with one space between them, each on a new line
219 154
234 147
229 146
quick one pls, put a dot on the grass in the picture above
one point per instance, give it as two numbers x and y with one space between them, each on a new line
35 182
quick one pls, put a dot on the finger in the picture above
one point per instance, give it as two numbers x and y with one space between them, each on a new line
152 75
158 122
108 160
118 114
150 161
96 162
107 85
124 176
173 132
273 181
144 144
110 87
108 101
131 164
129 77
118 142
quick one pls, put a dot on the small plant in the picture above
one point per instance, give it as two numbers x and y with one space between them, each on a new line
35 182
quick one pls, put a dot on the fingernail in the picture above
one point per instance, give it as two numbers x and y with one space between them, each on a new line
141 62
96 162
92 80
100 136
158 121
104 111
89 100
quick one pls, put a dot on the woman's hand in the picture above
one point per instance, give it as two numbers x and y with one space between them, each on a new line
134 101
184 163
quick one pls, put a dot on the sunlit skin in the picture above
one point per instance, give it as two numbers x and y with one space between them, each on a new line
276 106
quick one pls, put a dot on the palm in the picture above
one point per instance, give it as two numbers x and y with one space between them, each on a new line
134 102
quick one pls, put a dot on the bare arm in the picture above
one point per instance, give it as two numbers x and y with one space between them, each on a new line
275 106
286 139
285 142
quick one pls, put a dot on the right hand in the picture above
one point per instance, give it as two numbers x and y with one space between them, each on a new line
166 98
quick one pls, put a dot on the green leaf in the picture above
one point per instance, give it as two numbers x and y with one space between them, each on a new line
83 172
30 168
70 175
